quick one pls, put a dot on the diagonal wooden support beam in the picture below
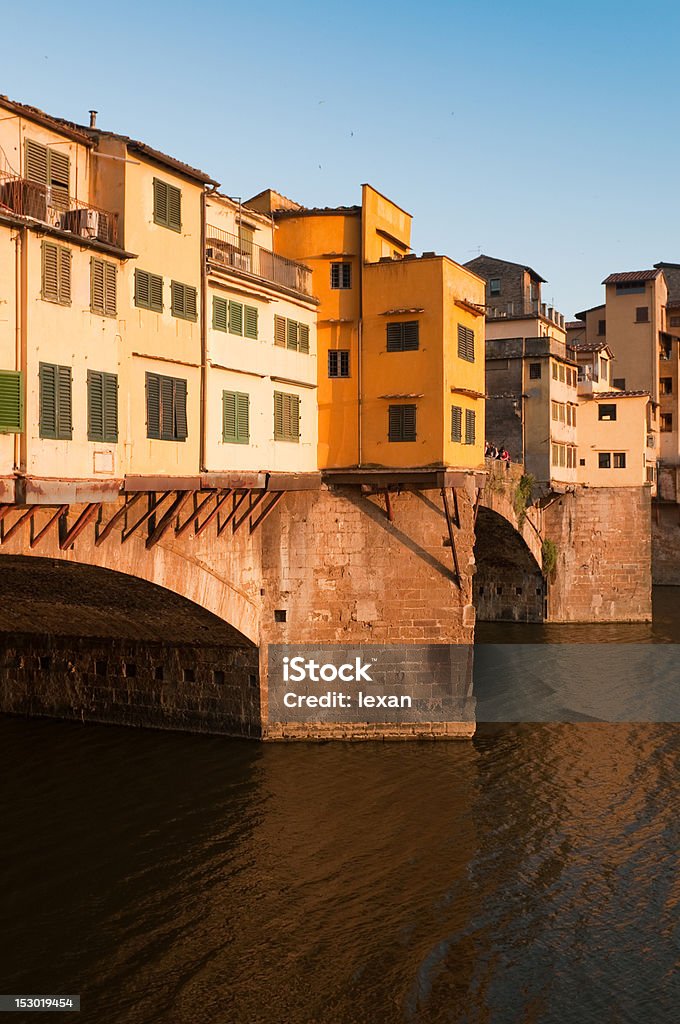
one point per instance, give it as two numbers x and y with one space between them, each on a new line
388 506
221 527
37 537
88 513
276 498
17 524
195 514
452 539
456 513
252 505
5 511
102 534
154 504
166 520
219 502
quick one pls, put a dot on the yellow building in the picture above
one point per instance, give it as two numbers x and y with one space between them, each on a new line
400 337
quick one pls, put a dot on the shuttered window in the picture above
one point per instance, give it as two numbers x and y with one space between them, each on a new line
148 290
280 331
103 282
250 321
402 423
183 301
102 406
166 407
167 205
338 363
55 401
292 334
220 307
286 417
11 402
51 168
236 318
235 417
456 423
466 343
341 275
304 338
56 273
403 336
470 418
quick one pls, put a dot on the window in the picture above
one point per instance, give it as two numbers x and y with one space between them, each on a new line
495 286
466 343
562 372
675 321
630 288
534 371
183 301
601 327
304 338
246 239
619 460
651 473
166 407
102 287
456 423
555 408
102 406
604 370
338 363
148 291
606 412
235 417
554 458
56 273
250 317
666 422
666 385
604 460
402 423
470 420
571 415
280 331
581 462
620 383
341 275
220 317
51 168
167 205
11 402
571 457
642 315
554 371
292 334
55 401
286 416
403 336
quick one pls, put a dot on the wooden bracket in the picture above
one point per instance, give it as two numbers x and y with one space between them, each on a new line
198 508
101 535
27 516
166 520
154 504
88 513
450 523
388 506
220 500
276 498
252 505
237 502
37 537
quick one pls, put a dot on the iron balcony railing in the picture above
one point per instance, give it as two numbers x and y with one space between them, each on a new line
229 250
54 207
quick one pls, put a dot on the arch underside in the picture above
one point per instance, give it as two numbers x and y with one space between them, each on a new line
508 584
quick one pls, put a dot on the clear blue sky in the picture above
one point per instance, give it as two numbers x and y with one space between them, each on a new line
542 133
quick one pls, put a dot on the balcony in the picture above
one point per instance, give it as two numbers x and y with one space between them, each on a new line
230 252
39 202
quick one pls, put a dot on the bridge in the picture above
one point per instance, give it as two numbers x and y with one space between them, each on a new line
157 608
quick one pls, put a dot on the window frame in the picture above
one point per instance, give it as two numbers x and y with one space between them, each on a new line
339 271
335 355
109 287
603 417
152 280
63 257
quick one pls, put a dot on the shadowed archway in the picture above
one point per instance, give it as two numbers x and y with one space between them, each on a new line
509 585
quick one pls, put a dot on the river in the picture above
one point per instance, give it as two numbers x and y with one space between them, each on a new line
527 877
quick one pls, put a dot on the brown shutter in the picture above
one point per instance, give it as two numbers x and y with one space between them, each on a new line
110 281
304 338
36 162
50 272
97 285
59 174
280 331
65 275
156 292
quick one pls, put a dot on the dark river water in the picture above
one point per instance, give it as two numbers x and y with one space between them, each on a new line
530 875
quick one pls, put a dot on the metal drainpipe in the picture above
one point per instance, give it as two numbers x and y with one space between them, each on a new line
204 340
359 346
21 319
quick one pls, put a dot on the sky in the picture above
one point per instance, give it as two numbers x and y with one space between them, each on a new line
540 133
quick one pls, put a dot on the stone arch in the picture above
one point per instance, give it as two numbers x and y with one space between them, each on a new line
509 584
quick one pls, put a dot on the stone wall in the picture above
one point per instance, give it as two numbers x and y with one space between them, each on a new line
666 544
603 541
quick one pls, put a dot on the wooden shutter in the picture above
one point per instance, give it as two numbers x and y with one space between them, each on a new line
395 342
48 400
470 426
96 285
250 321
294 404
110 407
280 331
64 275
64 422
95 405
395 423
189 302
411 335
160 202
180 403
50 271
292 334
156 292
236 317
153 405
220 307
174 197
409 423
466 343
59 177
36 162
177 305
167 408
243 417
110 288
304 338
278 415
456 423
142 289
229 416
11 402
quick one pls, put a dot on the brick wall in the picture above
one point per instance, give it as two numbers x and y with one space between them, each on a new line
666 544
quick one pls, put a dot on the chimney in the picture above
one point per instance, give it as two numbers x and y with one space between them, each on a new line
93 118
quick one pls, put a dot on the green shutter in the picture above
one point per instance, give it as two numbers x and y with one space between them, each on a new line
97 288
48 400
160 202
280 331
50 271
243 417
235 417
220 307
64 422
304 338
110 288
456 423
236 318
142 289
153 406
177 298
402 423
278 415
167 408
59 172
469 426
466 343
190 302
294 417
286 417
64 266
250 321
110 407
95 405
180 409
292 334
156 292
11 402
174 207
36 162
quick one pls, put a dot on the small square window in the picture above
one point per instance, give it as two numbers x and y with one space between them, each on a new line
601 327
620 383
100 668
495 286
642 315
619 460
604 460
279 615
666 422
189 675
606 412
666 385
341 275
218 676
518 591
534 371
44 662
338 363
581 462
130 669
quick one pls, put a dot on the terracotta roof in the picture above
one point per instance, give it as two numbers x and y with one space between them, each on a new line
318 211
575 325
588 346
591 309
632 277
597 395
59 124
